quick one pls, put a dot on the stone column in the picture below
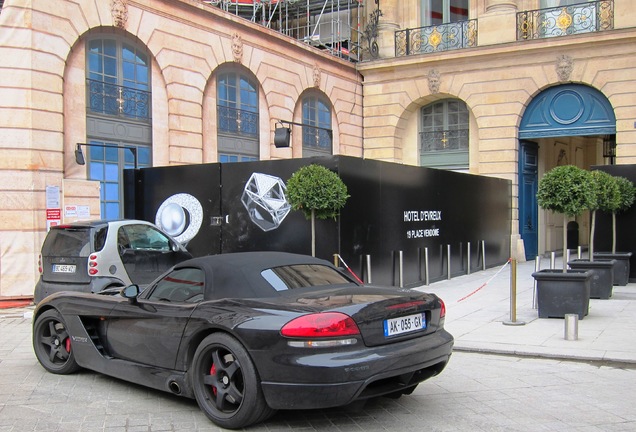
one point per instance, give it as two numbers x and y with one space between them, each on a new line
499 23
387 26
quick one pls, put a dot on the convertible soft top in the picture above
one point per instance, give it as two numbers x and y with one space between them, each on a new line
238 275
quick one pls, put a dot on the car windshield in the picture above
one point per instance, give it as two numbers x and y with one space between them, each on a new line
302 276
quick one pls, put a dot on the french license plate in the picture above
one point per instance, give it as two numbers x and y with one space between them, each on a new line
63 268
405 324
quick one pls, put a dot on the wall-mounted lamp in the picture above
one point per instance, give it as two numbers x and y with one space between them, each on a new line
281 135
79 155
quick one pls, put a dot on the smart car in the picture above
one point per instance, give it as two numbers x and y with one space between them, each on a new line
96 255
249 333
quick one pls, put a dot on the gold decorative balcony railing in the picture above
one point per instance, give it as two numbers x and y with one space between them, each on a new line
442 37
566 20
119 101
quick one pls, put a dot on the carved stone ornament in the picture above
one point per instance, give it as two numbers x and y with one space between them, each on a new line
237 47
317 75
564 66
434 81
119 10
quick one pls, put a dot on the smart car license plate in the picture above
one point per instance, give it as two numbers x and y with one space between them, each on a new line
405 324
63 268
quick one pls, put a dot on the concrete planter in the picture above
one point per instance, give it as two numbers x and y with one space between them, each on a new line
602 280
560 293
621 267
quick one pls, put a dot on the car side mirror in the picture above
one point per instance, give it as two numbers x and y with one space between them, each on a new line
130 292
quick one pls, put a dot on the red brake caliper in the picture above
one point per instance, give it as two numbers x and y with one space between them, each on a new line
67 345
213 372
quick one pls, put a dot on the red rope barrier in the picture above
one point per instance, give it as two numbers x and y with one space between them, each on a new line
487 282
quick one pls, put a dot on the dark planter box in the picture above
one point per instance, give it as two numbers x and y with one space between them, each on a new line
621 266
602 280
560 293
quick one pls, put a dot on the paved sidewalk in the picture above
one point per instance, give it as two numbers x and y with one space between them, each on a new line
476 314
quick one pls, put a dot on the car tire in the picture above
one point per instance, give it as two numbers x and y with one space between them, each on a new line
52 344
226 384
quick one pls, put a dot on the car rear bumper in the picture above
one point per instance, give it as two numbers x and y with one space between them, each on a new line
373 372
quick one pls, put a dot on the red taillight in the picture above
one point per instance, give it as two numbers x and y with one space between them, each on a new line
442 312
321 325
92 265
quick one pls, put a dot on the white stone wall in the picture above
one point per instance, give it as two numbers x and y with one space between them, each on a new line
43 108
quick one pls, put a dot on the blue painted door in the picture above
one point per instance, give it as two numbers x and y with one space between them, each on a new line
528 211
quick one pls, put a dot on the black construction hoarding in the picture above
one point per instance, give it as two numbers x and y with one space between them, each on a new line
398 222
625 222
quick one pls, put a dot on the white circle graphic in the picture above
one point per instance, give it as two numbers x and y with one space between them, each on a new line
181 216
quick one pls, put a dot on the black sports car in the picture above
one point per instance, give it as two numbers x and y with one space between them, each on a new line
246 334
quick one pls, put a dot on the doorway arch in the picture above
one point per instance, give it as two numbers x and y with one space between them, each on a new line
559 111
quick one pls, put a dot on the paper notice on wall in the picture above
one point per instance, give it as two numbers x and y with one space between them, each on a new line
77 211
52 197
70 211
53 210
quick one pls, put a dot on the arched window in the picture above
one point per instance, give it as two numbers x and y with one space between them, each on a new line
444 135
317 133
238 122
118 116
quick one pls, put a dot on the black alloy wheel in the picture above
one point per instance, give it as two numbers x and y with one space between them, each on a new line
226 384
52 344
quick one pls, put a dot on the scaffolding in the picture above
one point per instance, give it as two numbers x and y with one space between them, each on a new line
330 25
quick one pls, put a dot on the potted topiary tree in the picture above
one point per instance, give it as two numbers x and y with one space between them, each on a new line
627 193
318 193
566 190
606 197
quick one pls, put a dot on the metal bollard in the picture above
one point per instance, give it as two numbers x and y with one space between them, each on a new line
369 269
448 262
552 260
468 258
571 327
513 295
401 255
426 264
537 267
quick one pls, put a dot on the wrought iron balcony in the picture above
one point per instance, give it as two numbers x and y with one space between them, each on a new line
119 101
236 121
566 20
318 139
443 37
445 140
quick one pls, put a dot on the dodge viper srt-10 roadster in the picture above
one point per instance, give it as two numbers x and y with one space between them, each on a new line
246 334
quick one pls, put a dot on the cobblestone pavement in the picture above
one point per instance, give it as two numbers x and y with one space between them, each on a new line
477 392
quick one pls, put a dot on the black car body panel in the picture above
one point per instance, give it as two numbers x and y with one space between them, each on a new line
151 339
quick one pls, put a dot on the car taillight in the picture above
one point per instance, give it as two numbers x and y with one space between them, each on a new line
442 312
321 326
92 265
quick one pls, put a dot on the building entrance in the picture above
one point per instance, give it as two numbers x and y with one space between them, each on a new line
569 110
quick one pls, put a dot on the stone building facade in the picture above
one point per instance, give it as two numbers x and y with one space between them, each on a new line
514 60
528 99
47 105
